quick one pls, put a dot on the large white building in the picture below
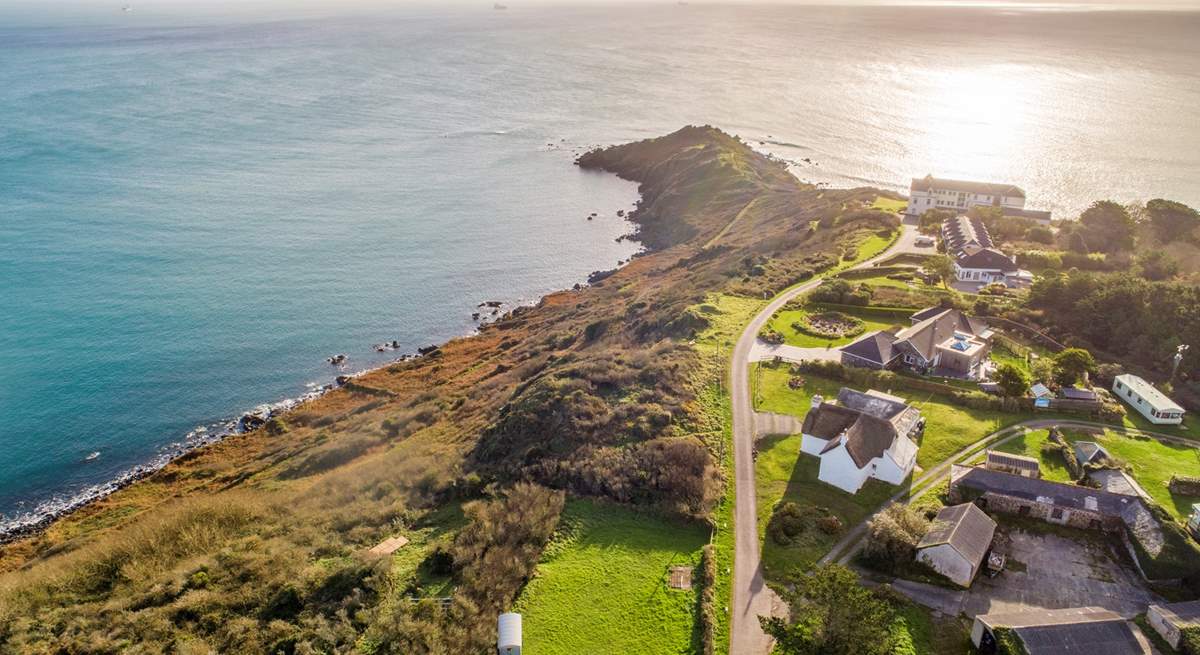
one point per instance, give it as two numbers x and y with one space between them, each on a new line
930 192
1152 403
861 436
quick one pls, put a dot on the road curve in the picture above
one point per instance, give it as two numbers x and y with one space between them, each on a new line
751 596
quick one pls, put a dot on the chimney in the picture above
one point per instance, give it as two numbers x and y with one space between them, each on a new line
817 400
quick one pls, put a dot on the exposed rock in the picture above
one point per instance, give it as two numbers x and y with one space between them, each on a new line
490 303
336 359
426 350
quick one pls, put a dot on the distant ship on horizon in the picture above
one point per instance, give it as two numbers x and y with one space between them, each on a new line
499 7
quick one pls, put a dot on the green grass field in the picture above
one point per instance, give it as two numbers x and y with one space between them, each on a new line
948 428
602 585
870 247
1189 429
782 323
888 204
727 316
1151 462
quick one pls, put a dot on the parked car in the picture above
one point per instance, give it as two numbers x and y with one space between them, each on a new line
925 241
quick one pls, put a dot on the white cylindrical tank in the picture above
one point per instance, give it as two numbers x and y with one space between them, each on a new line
509 634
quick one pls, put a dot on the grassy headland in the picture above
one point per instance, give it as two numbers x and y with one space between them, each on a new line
610 393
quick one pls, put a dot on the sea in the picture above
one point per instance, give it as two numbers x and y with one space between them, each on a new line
200 204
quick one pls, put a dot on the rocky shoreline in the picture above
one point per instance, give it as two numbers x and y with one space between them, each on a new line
33 522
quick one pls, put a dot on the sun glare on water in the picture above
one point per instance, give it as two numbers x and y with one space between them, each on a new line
974 120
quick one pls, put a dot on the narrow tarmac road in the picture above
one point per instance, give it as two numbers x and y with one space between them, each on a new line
751 596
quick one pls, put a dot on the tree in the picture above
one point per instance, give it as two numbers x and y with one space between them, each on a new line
1013 381
1042 369
892 535
1071 364
942 266
1109 225
1157 265
1172 221
931 221
836 616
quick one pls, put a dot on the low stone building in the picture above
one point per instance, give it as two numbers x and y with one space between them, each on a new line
1172 619
1062 504
957 543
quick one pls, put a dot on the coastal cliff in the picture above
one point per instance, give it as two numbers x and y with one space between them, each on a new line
260 543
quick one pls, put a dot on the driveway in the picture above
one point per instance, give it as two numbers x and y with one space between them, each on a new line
907 243
762 351
752 597
1045 571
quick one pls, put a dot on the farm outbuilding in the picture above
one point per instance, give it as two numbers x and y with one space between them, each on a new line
957 543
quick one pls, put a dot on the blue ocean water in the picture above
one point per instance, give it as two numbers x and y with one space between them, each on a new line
196 209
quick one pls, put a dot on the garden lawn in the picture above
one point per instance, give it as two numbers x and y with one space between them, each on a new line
782 321
1189 429
602 584
948 428
783 473
1030 445
1151 462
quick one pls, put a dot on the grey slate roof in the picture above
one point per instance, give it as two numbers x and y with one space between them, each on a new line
987 259
874 347
1185 614
929 312
989 188
1089 451
1074 393
966 528
1089 630
1069 496
867 424
962 231
923 337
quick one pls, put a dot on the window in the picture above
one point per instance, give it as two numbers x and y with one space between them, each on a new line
1119 385
1023 510
1056 513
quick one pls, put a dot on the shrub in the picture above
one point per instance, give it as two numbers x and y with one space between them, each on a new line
839 291
830 524
787 522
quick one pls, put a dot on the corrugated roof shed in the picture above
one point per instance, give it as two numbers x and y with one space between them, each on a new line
1010 460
